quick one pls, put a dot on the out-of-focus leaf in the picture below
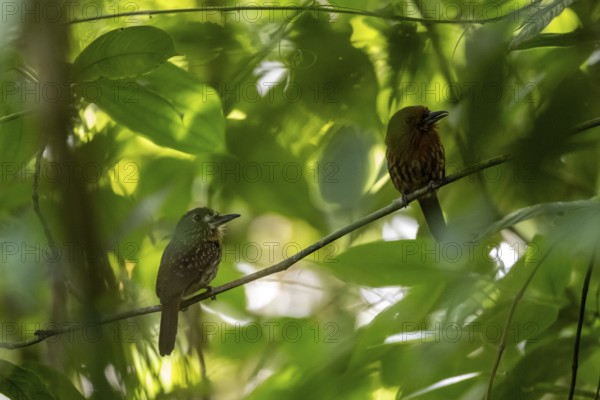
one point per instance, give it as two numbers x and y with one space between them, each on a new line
485 54
410 312
123 53
135 107
568 39
528 323
166 183
410 365
319 370
57 383
214 51
543 363
198 104
406 262
168 106
405 54
539 20
264 174
317 65
345 166
21 384
534 211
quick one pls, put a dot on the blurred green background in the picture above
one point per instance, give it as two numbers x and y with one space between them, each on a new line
279 115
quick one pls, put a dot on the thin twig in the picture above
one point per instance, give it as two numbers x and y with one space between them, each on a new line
18 114
509 317
584 292
281 266
318 8
584 126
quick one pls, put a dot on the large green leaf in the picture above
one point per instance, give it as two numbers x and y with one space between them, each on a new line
405 262
135 107
56 382
123 53
198 104
316 67
20 384
346 165
534 211
168 106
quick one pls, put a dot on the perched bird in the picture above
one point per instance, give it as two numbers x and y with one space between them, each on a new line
415 157
189 262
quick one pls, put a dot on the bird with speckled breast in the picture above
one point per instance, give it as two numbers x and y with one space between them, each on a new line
189 263
415 158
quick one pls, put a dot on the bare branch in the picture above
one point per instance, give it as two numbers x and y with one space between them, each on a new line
281 266
315 8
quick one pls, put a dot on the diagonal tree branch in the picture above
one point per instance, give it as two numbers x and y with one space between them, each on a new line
281 266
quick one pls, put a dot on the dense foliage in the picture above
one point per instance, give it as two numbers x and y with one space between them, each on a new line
113 125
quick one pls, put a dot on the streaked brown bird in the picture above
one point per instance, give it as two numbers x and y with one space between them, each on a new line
415 157
189 263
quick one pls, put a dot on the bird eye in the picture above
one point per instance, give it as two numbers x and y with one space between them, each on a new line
197 217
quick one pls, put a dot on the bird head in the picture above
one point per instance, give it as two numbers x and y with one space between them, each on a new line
411 122
203 224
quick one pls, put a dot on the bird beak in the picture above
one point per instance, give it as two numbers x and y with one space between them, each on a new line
219 220
435 116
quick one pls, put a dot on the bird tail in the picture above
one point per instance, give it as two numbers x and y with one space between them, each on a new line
433 215
168 327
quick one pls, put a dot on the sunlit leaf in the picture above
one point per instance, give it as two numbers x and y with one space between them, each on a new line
123 53
169 107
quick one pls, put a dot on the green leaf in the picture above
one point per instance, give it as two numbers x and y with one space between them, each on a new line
405 262
410 312
167 106
529 322
346 165
158 186
18 383
265 174
543 364
123 53
539 20
57 383
317 65
526 213
135 107
198 104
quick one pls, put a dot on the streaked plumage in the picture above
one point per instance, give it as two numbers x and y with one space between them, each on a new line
189 263
415 157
